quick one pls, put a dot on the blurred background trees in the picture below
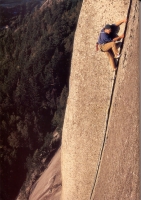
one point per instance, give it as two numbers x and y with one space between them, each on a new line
35 56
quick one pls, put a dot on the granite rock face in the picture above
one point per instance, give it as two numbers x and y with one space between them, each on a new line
118 176
100 142
48 186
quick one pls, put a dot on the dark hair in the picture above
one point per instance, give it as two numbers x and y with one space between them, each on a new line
107 26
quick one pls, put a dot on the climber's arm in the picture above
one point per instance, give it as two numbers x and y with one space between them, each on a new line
120 22
118 38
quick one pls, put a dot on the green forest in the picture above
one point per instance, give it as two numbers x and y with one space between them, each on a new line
35 58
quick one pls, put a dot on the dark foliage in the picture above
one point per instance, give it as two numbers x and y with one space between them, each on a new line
35 54
10 9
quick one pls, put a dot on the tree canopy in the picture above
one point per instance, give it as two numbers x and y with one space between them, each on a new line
35 55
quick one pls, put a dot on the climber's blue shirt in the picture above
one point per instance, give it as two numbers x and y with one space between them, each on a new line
104 37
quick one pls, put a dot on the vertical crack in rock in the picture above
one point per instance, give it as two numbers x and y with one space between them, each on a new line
108 113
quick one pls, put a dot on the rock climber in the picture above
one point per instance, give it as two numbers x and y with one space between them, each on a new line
107 38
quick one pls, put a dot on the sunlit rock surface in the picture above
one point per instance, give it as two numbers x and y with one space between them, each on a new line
49 184
100 107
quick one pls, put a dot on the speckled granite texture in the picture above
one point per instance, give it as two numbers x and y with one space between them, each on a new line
98 106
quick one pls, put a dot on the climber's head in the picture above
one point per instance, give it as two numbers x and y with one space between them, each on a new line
107 29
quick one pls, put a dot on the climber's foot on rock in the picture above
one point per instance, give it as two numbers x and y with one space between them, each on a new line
118 55
114 69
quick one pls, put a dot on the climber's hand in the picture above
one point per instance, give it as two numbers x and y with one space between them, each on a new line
97 47
121 36
125 20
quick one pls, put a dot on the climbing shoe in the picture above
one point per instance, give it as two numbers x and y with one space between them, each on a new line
118 55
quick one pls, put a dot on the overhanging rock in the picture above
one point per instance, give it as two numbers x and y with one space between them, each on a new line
89 103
